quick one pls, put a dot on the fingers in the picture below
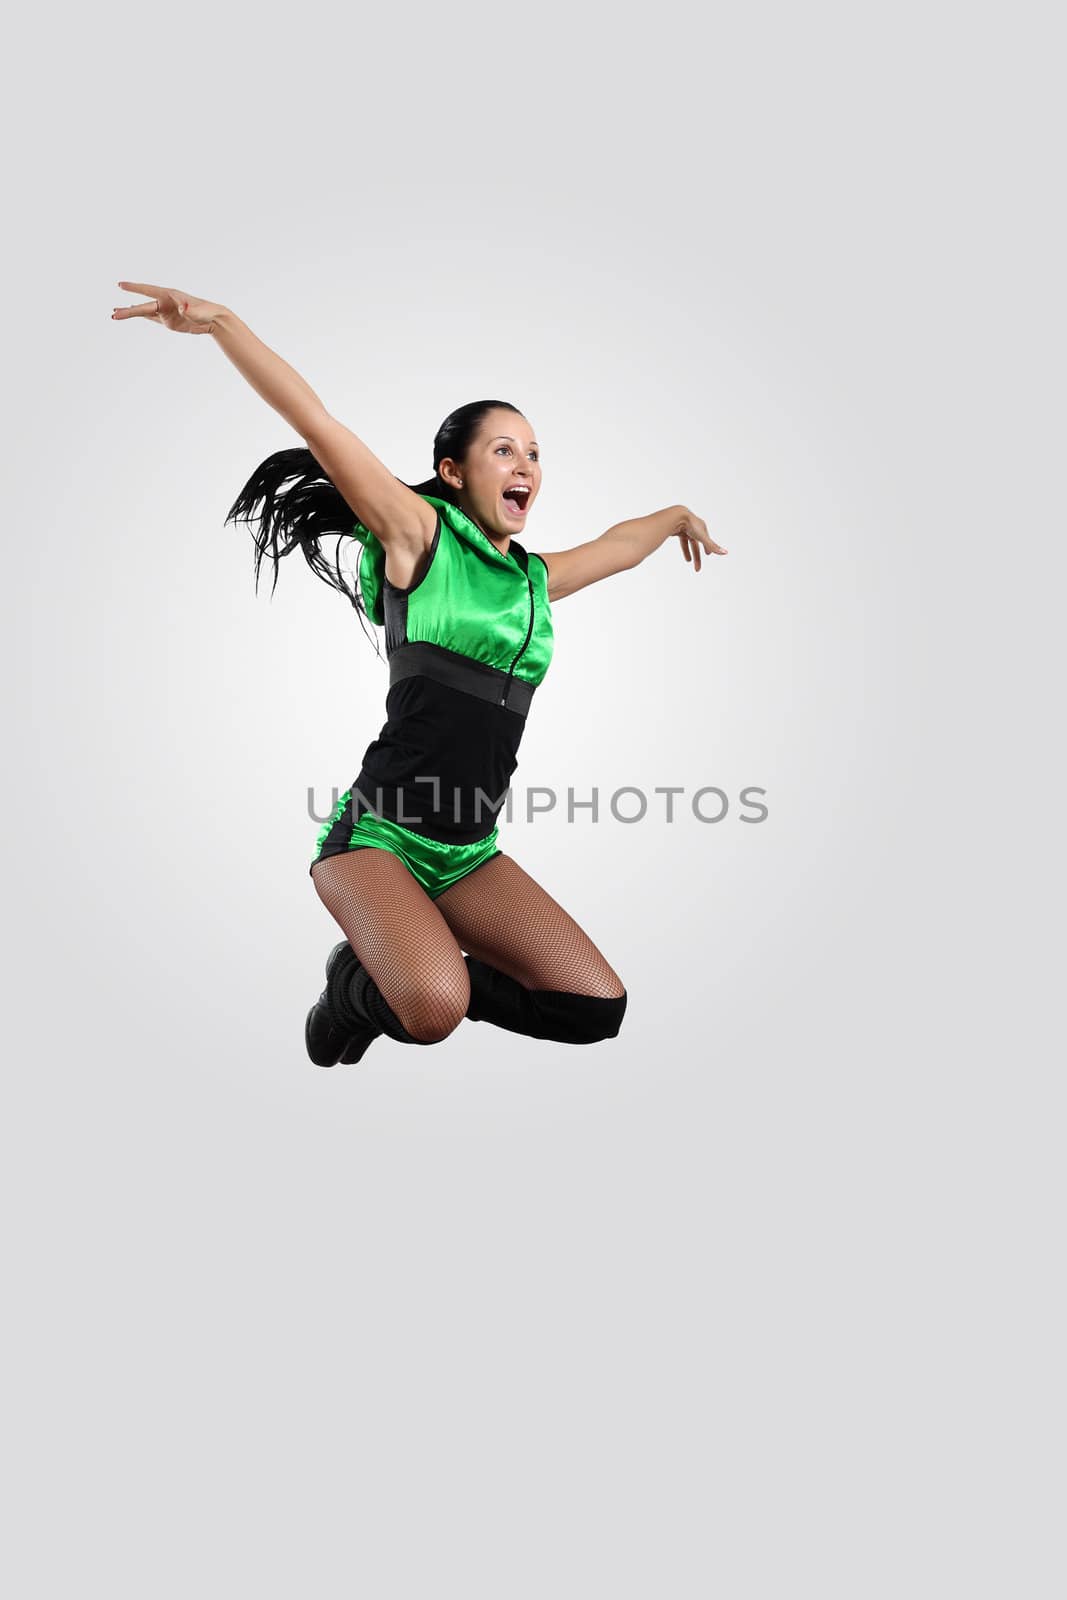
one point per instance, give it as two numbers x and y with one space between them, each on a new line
164 303
695 542
151 309
700 532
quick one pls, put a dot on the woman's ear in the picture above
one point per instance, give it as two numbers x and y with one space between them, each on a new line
449 473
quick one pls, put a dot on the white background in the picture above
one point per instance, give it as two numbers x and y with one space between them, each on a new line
762 1298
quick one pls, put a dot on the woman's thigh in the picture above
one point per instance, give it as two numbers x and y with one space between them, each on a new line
397 932
502 916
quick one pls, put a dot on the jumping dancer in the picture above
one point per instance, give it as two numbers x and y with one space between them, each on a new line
408 865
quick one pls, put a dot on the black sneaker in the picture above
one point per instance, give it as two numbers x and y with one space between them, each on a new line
358 1044
326 1037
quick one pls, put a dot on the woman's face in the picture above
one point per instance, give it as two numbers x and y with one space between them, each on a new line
503 459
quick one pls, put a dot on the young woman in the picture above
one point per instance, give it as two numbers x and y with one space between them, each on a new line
408 865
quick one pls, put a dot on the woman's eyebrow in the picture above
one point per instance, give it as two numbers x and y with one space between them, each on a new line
533 442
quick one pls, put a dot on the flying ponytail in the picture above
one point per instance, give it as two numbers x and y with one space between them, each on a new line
313 509
310 510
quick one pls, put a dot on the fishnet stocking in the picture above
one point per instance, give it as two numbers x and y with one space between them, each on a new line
503 917
400 937
412 946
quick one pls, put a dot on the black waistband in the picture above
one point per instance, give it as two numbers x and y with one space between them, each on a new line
460 672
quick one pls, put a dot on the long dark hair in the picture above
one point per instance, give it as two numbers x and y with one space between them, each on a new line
314 509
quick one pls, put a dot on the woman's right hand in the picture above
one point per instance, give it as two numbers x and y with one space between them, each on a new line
171 308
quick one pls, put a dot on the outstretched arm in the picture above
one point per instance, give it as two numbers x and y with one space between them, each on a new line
626 545
380 501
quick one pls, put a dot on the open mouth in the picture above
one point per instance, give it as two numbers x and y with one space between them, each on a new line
517 498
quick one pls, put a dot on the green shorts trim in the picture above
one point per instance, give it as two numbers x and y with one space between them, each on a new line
436 866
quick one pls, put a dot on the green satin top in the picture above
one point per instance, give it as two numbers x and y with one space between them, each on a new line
472 598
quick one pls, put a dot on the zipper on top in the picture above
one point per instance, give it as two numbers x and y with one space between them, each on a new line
511 671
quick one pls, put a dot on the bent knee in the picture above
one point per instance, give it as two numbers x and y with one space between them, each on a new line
599 985
581 1018
598 980
431 1030
431 1013
613 1012
612 988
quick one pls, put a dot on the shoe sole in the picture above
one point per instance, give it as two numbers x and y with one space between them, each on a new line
338 954
357 1047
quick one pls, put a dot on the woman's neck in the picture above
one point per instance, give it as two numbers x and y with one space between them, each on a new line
494 538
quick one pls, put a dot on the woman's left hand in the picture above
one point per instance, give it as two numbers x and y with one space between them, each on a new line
693 532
